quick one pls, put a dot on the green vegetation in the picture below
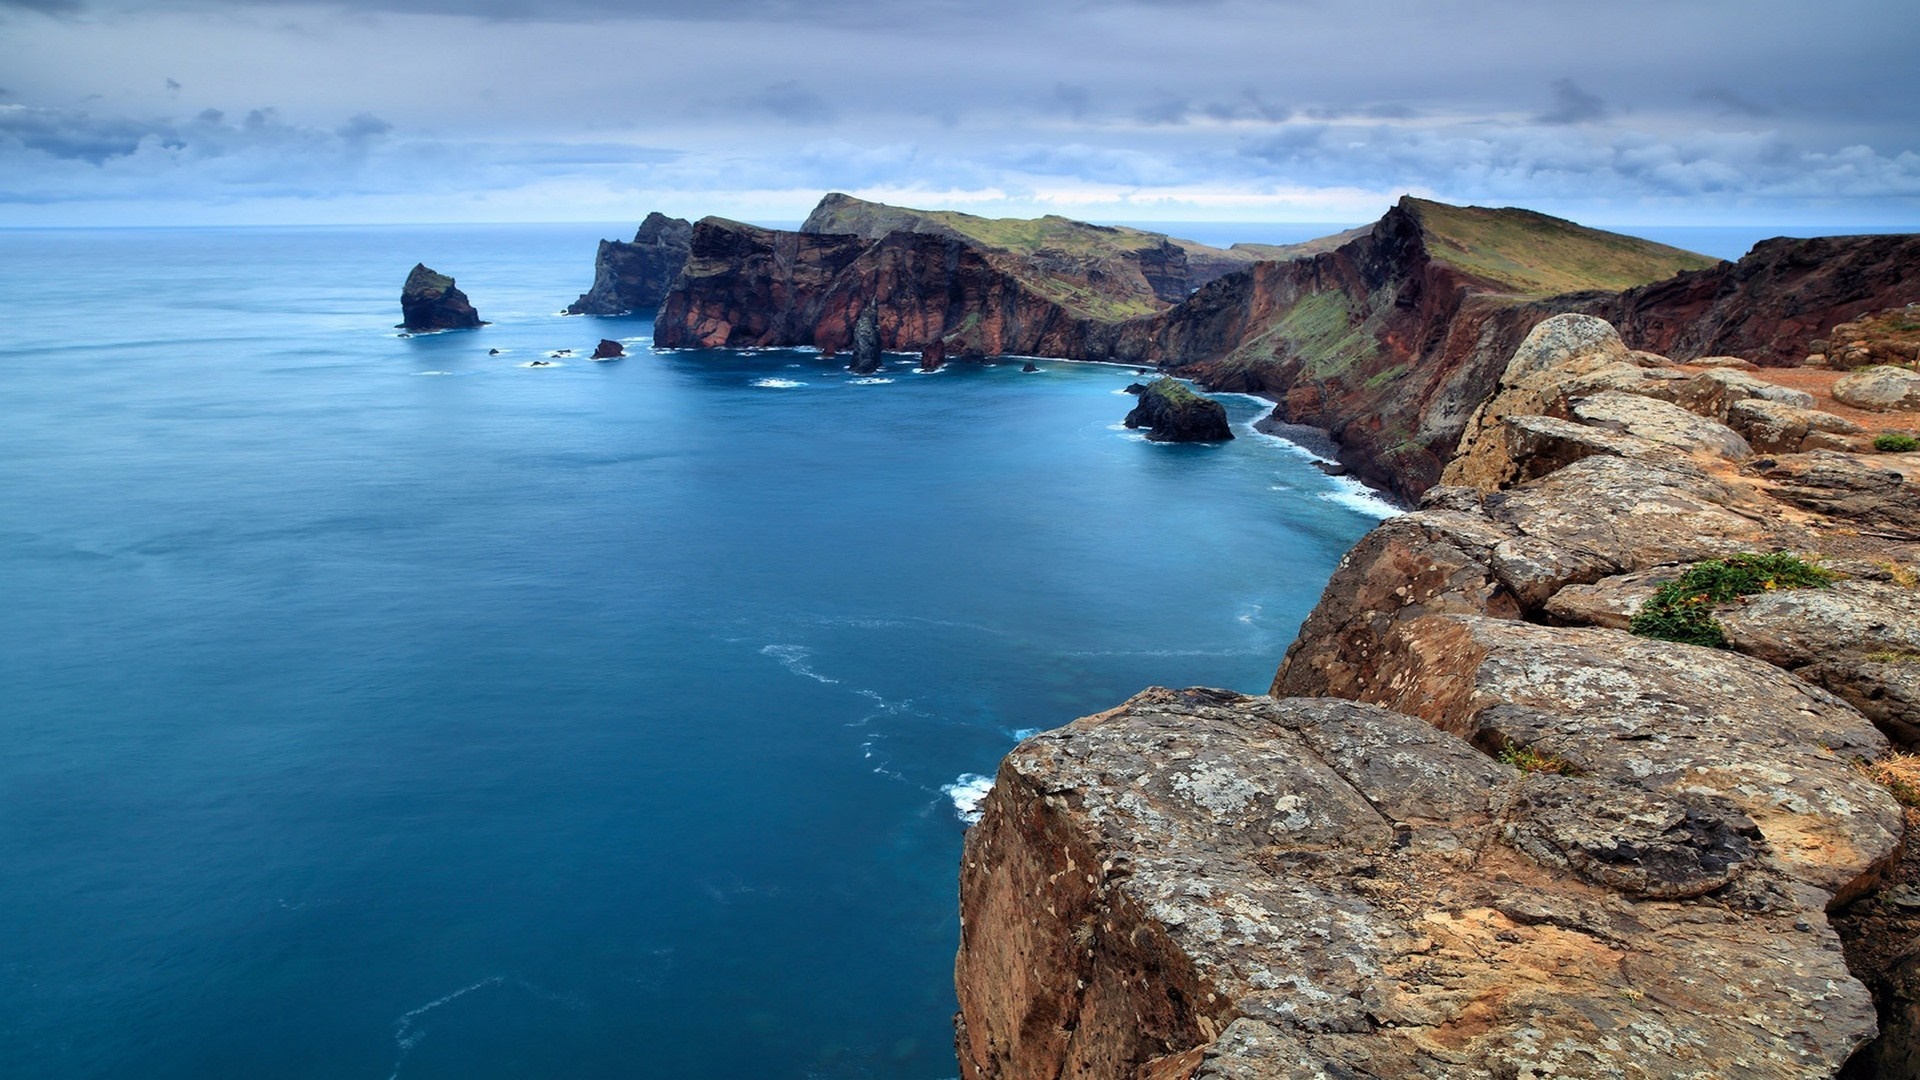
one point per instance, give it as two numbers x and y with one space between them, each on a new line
1895 443
1532 254
1682 609
1530 759
1174 391
1894 656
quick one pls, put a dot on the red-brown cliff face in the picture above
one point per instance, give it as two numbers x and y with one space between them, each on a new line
748 286
1389 341
1771 304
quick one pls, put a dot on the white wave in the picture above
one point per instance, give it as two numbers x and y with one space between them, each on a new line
871 382
404 1035
1360 498
1025 733
1284 443
968 791
794 659
1247 616
433 373
778 384
1122 392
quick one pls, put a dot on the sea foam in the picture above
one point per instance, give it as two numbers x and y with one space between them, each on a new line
968 791
778 384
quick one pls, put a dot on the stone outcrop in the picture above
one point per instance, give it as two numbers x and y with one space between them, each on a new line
1172 413
1199 884
1479 828
1881 388
608 349
635 275
429 301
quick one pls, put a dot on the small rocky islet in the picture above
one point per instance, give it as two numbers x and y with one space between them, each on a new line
1479 826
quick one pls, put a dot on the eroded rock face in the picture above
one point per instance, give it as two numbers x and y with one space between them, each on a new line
429 301
635 276
1241 887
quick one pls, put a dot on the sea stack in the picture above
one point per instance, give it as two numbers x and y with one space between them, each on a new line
429 301
866 341
1172 413
608 349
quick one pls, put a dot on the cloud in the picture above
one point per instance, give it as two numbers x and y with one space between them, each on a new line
1572 105
1731 103
789 101
363 126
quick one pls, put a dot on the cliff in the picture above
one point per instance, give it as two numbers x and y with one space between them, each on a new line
1481 828
429 301
636 275
1388 337
1137 261
1390 340
1773 306
748 286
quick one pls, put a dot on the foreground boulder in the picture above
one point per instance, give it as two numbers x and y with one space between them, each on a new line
1199 884
1172 413
428 301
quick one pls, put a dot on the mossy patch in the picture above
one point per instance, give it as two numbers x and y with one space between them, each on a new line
1682 609
1531 254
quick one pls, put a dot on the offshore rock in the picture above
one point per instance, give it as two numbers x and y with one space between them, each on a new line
866 342
429 301
635 276
1203 884
608 349
1172 413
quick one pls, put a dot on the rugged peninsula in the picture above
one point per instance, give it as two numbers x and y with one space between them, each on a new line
1386 337
429 301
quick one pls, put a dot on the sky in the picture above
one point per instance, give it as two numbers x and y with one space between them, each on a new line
1633 112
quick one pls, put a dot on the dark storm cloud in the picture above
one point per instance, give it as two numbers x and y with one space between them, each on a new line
1572 105
63 133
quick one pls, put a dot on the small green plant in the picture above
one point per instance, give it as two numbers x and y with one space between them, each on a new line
1893 442
1530 759
1894 656
1682 609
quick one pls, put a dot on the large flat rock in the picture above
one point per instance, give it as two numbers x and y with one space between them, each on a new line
1203 884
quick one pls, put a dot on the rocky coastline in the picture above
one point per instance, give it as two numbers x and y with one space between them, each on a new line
1387 337
1480 828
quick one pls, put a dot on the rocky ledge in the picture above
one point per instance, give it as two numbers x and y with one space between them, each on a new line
635 276
1172 413
428 301
1480 828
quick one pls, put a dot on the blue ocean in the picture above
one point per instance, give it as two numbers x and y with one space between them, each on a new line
378 706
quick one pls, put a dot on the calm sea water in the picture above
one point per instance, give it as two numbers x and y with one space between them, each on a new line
376 707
